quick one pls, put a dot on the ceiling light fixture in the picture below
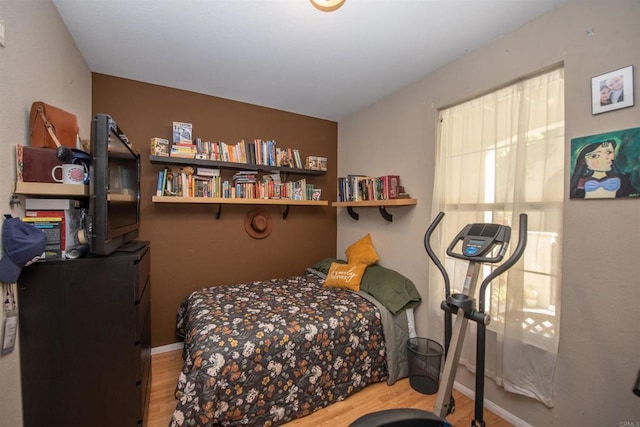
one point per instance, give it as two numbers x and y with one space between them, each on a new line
327 5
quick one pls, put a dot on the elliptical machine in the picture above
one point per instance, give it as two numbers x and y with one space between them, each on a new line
478 244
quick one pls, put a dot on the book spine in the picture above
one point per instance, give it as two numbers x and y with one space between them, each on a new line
292 162
19 162
265 153
216 151
160 188
394 183
252 153
298 159
272 152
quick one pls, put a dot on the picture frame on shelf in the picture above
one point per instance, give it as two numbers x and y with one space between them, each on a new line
182 133
160 147
612 90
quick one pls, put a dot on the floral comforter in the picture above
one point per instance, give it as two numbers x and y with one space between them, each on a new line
264 353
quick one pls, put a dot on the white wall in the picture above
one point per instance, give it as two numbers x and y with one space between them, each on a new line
39 63
600 331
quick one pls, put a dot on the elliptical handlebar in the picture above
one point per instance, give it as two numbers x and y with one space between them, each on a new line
432 254
515 256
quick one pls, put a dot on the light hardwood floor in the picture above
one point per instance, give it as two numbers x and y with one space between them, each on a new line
376 397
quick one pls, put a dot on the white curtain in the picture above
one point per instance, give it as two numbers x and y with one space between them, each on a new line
498 156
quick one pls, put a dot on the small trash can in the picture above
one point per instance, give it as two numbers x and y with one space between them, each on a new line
425 360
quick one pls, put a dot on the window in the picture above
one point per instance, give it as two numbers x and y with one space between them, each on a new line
500 155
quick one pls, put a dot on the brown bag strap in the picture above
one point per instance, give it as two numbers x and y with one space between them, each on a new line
49 126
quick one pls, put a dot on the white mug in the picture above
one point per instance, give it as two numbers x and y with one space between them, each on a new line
71 173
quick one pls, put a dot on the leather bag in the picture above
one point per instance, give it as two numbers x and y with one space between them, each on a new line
51 127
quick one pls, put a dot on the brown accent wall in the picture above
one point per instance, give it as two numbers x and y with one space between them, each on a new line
190 248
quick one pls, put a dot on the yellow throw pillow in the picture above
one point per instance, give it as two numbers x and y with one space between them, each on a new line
347 276
362 252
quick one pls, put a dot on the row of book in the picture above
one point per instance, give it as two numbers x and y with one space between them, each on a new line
206 182
257 152
357 188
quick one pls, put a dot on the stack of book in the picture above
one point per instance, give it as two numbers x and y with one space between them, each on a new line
244 183
184 151
183 145
61 220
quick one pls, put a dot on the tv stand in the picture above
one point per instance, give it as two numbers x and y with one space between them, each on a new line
132 246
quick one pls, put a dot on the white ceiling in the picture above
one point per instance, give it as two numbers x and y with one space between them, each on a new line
285 54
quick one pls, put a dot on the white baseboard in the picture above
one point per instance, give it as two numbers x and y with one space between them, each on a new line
505 415
166 348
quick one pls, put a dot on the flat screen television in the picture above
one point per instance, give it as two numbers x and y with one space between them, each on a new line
114 185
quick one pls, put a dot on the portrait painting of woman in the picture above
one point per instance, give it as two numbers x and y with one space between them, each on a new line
606 166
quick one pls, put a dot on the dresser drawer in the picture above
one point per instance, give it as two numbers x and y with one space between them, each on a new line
142 311
143 350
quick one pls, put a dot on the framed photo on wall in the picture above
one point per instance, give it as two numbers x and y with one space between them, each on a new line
612 91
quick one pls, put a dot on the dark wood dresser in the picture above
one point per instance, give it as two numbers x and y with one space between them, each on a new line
85 340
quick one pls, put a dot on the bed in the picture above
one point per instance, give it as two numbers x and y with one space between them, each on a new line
264 353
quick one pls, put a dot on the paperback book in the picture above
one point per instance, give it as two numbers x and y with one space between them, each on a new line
160 147
52 229
182 133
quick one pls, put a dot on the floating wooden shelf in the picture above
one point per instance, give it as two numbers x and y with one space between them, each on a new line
231 165
237 201
380 204
51 189
120 198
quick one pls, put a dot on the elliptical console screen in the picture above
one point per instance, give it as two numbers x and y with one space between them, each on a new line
480 241
473 247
